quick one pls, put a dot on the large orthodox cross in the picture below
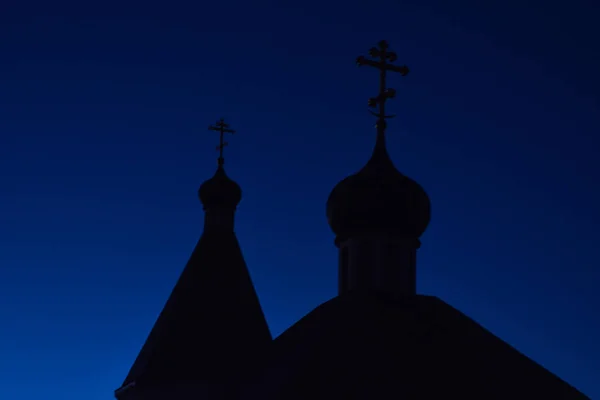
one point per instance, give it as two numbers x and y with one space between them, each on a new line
382 56
222 128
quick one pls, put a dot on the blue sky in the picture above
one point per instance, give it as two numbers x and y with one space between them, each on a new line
104 110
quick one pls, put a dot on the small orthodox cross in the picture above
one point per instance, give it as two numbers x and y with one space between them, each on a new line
383 66
222 128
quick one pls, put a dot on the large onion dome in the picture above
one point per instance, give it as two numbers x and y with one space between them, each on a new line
378 199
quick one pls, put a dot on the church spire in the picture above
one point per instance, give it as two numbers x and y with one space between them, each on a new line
378 214
212 331
220 195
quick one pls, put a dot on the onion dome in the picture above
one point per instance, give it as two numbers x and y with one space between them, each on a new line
220 191
378 199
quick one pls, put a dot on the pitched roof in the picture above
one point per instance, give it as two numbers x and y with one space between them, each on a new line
211 323
362 346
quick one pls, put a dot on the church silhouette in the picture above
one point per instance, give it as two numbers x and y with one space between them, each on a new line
378 339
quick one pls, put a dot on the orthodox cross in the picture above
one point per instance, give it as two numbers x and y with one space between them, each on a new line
222 128
382 64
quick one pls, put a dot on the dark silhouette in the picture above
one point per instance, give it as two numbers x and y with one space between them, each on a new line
222 128
377 339
212 328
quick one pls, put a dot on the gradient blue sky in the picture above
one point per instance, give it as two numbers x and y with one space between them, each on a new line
104 110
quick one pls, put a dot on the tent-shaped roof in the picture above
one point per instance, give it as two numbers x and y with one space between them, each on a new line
212 325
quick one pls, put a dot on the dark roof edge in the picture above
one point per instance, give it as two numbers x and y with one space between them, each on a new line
123 389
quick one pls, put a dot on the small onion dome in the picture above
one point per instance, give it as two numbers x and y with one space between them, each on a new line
378 199
220 191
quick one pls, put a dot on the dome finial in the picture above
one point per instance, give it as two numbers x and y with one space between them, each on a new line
220 191
222 128
383 59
